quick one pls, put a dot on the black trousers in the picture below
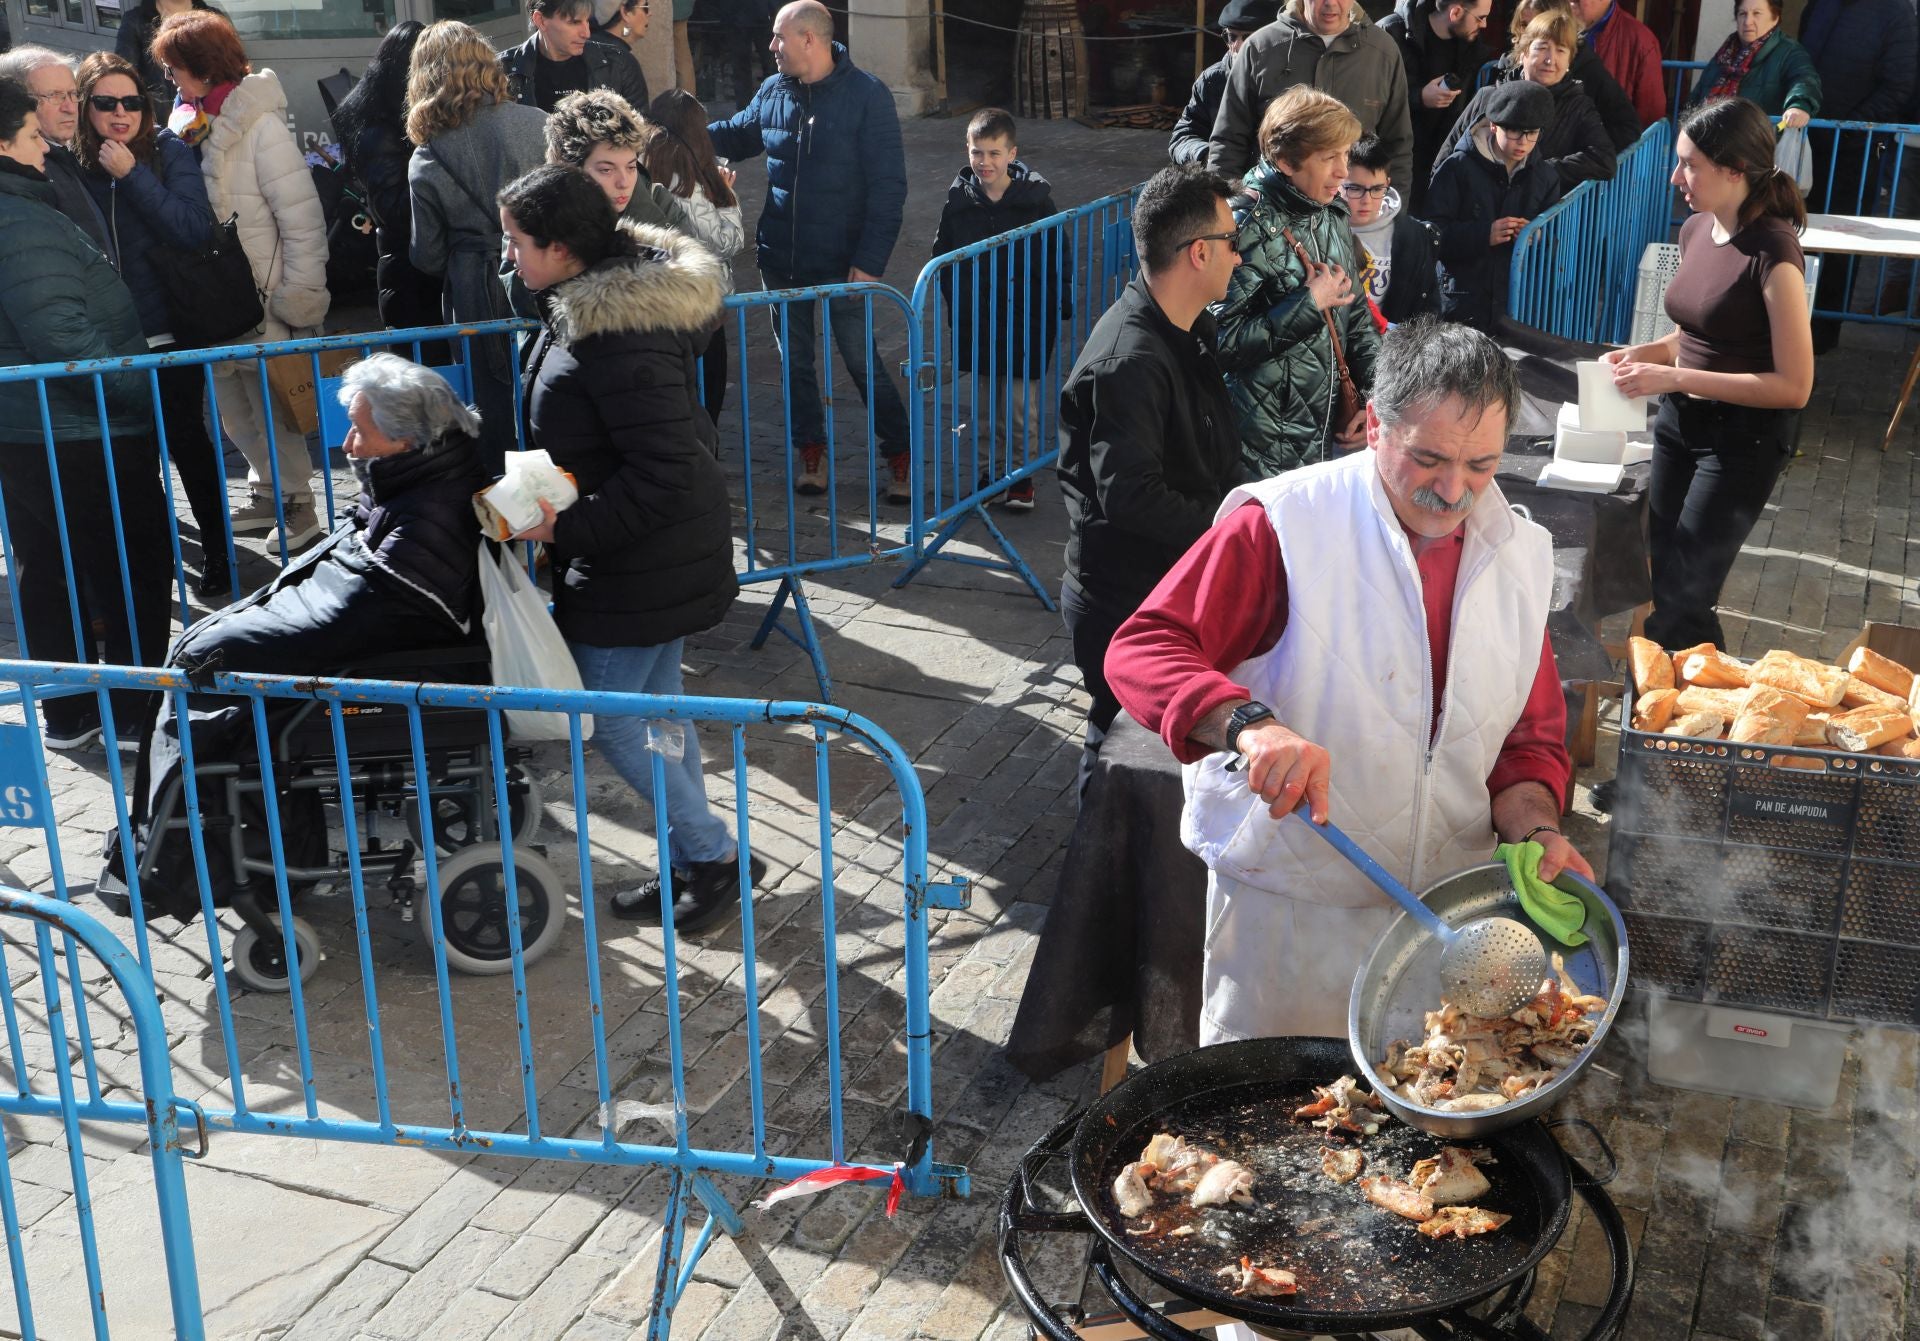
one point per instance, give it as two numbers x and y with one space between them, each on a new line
46 620
1091 624
1714 467
203 470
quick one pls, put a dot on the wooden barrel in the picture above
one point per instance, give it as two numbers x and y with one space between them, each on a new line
1050 61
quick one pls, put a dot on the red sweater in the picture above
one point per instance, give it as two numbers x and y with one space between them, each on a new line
1226 601
1631 53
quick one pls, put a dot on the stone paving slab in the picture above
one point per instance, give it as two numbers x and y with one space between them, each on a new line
1751 1220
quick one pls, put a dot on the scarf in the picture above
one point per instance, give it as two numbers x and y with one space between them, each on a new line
193 121
1733 60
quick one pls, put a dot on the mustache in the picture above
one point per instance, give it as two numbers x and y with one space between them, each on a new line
1424 497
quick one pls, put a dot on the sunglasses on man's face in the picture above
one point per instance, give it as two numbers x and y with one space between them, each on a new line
103 102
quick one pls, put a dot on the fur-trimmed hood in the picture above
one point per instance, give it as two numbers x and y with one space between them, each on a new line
656 280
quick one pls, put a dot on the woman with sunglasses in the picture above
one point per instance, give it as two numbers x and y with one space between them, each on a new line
148 186
1292 328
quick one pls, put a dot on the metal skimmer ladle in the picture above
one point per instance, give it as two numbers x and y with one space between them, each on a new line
1490 967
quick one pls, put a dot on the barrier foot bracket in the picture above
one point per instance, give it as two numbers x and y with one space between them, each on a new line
1012 563
807 639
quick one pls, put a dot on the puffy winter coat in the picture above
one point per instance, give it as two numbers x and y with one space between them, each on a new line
255 170
1274 344
1361 68
1425 58
646 555
1575 141
59 301
378 158
836 172
1781 77
716 227
1191 133
1017 298
1471 188
1864 51
609 65
162 203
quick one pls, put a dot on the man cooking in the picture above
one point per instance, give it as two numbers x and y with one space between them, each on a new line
1359 638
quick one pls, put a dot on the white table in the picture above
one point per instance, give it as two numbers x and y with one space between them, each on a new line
1888 239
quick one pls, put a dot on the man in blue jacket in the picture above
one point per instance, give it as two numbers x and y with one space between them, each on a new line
836 191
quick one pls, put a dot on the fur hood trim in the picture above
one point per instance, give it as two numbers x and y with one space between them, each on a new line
656 280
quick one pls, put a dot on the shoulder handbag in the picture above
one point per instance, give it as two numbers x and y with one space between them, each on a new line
1349 402
211 296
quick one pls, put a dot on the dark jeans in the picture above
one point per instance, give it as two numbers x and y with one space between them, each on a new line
129 638
1714 467
807 422
713 371
203 469
1091 624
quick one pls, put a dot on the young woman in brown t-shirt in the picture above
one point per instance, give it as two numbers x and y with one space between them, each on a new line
1734 374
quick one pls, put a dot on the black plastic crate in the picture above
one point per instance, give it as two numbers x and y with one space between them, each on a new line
1748 882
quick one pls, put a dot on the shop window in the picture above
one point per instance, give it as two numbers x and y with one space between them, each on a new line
279 20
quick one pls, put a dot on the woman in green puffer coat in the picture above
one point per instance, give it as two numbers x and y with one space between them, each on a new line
1275 343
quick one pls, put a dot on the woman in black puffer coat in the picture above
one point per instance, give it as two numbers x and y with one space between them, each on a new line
645 557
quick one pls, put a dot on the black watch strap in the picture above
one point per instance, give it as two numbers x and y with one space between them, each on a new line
1243 717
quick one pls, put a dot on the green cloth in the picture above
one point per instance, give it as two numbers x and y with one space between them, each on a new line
1554 911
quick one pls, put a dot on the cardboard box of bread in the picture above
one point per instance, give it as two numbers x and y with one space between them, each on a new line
1869 704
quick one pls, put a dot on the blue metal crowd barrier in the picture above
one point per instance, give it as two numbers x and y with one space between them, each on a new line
1860 168
90 1300
436 804
1574 266
997 327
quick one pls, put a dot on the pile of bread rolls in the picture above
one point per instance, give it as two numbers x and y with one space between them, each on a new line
1870 707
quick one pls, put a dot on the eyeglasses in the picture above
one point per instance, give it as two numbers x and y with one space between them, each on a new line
105 102
1227 238
65 95
1359 192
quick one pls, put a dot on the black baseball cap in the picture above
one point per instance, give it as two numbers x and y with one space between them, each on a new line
1520 104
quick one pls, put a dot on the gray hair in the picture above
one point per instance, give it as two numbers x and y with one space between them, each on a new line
1426 362
407 402
21 62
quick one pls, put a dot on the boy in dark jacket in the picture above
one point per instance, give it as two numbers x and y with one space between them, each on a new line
1004 306
1398 252
1483 194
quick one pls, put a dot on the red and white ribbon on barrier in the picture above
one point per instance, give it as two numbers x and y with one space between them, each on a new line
807 1184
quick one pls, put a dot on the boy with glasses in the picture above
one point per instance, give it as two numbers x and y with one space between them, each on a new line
1398 272
1483 193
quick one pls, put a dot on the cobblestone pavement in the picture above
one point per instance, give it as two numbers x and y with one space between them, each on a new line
1751 1220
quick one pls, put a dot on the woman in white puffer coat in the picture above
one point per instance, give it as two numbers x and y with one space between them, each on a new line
238 120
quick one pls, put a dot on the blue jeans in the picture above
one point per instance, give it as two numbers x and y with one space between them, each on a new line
808 420
693 831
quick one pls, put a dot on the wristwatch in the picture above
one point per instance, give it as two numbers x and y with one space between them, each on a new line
1243 717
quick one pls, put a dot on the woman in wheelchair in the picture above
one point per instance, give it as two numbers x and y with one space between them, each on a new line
398 575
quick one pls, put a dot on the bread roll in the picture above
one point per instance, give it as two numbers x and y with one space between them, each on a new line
1913 698
1769 717
1654 709
1893 749
1911 749
1726 702
1713 669
1705 724
1864 728
1820 685
1652 667
1880 672
1813 729
1860 694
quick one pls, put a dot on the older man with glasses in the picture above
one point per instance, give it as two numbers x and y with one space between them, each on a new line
1240 20
1148 446
56 96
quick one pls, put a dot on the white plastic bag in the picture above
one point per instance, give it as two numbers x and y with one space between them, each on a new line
1794 156
525 645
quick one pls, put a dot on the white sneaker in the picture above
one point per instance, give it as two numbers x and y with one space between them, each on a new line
302 526
257 516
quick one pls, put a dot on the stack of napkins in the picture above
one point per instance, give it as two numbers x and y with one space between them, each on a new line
1590 447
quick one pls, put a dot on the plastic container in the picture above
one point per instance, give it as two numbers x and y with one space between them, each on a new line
1779 879
1745 1053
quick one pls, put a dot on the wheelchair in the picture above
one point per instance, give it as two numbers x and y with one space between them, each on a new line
465 825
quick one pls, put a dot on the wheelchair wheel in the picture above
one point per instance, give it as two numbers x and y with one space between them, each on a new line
260 962
473 907
456 815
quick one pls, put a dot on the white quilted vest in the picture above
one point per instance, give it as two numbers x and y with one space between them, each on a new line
1351 673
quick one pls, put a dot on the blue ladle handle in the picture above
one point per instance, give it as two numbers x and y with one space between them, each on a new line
1377 873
